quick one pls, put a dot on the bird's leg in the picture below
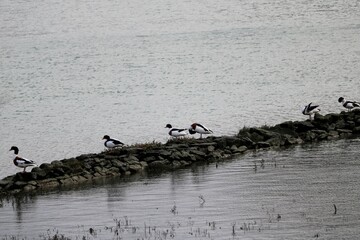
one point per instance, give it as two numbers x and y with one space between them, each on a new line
200 135
24 169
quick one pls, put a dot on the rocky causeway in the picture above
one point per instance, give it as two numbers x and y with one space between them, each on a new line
179 153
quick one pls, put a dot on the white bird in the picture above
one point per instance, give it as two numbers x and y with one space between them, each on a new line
310 110
21 162
198 128
348 104
176 132
112 142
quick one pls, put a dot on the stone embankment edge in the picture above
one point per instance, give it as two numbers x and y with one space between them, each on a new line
179 153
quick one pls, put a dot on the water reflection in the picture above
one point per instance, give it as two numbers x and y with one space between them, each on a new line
292 193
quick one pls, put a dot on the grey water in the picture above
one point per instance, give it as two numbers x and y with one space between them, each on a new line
73 71
288 194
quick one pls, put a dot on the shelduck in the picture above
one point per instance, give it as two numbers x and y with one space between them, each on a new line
111 142
311 110
198 128
349 105
21 162
176 132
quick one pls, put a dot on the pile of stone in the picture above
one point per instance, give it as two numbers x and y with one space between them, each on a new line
180 153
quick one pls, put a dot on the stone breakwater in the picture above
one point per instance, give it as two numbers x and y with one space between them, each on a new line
179 153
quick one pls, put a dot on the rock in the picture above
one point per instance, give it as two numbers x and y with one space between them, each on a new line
210 148
66 181
238 150
341 125
175 155
48 183
150 159
215 155
263 145
134 168
46 166
356 130
160 164
309 136
344 132
197 152
176 164
266 134
28 188
333 135
303 126
321 134
20 184
275 141
40 173
25 176
98 169
57 163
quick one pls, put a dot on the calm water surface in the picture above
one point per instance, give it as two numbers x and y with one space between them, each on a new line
72 71
288 195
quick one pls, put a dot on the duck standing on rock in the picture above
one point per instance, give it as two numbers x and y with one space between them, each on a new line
311 110
349 105
111 142
198 128
21 162
176 132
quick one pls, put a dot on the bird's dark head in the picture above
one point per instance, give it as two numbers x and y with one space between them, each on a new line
168 126
341 99
191 131
193 126
15 149
106 137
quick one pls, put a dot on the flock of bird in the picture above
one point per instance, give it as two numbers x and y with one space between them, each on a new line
312 109
179 132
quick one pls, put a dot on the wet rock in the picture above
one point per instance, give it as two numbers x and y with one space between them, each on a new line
20 184
46 166
57 163
356 130
176 164
309 136
333 135
48 183
344 132
28 188
303 126
263 145
134 168
275 141
160 164
210 148
321 134
66 181
238 150
175 155
197 152
25 176
266 134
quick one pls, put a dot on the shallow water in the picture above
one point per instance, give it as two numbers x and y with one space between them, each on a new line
287 194
73 71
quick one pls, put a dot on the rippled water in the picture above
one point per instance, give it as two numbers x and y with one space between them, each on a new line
72 71
287 194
